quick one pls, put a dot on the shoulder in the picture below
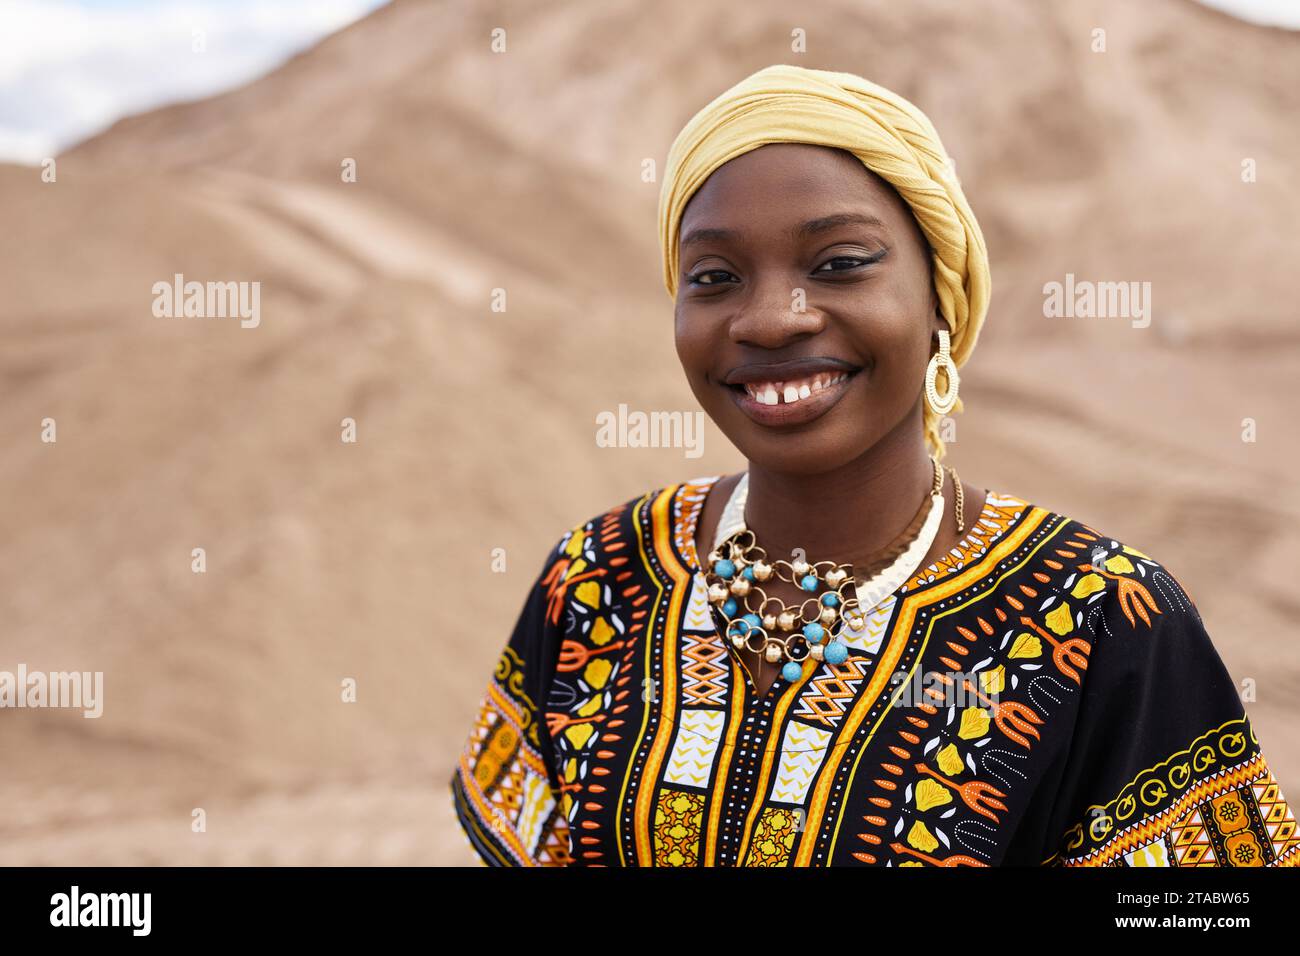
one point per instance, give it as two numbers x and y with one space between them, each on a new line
661 516
1091 581
1140 584
1128 613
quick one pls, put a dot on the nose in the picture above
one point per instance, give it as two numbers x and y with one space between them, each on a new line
774 311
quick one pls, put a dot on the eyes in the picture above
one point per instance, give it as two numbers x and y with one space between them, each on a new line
838 265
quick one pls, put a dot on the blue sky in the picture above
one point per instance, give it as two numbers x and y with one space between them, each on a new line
69 68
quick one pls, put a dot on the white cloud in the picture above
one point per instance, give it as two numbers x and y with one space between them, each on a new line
1276 13
69 69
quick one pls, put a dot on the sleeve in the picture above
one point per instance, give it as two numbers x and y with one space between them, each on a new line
1164 768
506 790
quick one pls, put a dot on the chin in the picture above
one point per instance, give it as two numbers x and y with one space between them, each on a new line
814 452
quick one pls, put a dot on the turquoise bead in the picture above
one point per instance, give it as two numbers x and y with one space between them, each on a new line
747 574
724 568
830 599
730 607
814 632
808 582
792 671
836 653
753 620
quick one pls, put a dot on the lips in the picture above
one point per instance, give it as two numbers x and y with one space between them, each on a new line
776 391
795 401
793 371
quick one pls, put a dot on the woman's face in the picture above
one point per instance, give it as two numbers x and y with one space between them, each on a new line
792 252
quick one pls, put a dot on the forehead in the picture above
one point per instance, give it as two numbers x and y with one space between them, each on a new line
784 181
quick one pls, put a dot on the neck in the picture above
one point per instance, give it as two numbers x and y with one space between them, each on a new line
847 514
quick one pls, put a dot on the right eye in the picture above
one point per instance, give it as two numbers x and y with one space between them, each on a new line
699 278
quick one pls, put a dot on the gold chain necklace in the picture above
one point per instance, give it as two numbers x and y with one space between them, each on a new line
738 567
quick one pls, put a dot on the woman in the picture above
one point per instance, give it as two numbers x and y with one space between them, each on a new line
846 655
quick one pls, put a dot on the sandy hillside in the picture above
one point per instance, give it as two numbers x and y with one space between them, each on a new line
328 561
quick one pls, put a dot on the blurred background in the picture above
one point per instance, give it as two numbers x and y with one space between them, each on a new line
141 140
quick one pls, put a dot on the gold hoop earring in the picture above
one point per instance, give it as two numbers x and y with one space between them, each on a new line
942 404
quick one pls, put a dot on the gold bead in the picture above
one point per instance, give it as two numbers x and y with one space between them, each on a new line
737 640
815 651
773 652
740 587
827 616
800 568
785 621
717 593
762 570
769 622
835 578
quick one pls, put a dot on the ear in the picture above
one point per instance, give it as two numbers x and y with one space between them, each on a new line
938 323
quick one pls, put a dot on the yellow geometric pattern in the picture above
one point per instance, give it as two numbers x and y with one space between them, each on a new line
678 819
1228 798
773 837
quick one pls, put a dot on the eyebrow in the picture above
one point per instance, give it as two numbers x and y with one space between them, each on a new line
803 231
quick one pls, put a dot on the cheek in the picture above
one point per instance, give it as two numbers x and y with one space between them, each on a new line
693 346
893 348
885 338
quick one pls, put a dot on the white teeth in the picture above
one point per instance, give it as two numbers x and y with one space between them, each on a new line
766 393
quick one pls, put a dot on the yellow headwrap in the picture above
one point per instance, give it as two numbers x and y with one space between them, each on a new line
894 139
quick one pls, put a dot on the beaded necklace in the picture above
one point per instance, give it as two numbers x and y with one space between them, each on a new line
738 567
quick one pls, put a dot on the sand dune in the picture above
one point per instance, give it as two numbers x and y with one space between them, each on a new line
329 561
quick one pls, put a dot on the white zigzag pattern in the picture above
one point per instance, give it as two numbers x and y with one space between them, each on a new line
695 748
802 753
698 617
869 637
537 805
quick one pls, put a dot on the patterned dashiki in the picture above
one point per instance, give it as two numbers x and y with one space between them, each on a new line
1086 720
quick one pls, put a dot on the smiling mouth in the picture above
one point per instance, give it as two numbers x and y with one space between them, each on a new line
793 392
785 404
